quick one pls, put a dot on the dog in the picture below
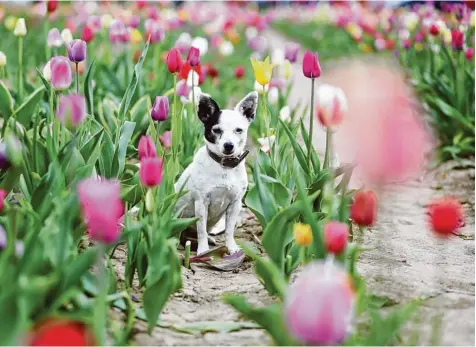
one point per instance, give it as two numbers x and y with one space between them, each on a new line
216 180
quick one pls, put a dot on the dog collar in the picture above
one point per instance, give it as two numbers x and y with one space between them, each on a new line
230 162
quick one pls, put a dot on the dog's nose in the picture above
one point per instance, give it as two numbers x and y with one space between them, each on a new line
228 147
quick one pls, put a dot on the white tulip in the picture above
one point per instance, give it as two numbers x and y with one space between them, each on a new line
251 32
226 48
106 20
20 27
277 58
201 43
273 96
326 94
266 143
185 38
285 114
66 35
47 71
192 78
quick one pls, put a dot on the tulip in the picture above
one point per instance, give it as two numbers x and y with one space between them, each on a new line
182 89
277 57
71 110
239 72
60 332
102 208
166 139
3 60
174 61
302 234
273 95
331 105
61 74
54 38
66 35
291 50
118 32
193 58
20 28
263 70
134 22
285 114
52 5
3 195
457 39
310 65
146 148
10 22
47 71
446 216
76 50
335 236
87 34
160 109
155 33
266 143
136 36
469 53
364 208
201 44
106 20
226 48
319 305
151 171
287 69
434 30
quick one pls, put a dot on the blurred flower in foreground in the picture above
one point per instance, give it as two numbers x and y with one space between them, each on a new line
335 236
60 332
446 216
331 105
71 110
310 65
54 38
263 70
383 131
302 234
364 208
102 208
146 147
3 195
61 74
319 305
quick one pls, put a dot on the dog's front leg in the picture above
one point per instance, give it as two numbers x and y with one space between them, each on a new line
232 213
201 211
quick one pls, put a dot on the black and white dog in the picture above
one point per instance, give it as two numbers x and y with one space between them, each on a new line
216 180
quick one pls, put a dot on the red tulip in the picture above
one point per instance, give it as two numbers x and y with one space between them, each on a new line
174 61
147 148
434 30
446 216
3 195
193 58
185 70
239 71
469 53
457 39
364 208
151 171
52 5
310 65
211 71
335 236
56 332
88 34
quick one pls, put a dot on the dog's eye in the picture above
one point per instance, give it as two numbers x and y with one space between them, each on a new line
217 131
238 130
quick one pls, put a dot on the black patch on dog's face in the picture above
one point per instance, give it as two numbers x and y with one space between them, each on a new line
209 113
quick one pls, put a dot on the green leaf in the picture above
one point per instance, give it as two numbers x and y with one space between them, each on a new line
297 148
88 89
6 102
77 268
155 297
25 112
120 156
214 327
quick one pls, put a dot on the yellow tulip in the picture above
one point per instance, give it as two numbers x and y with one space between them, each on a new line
287 69
418 46
10 22
302 234
262 70
136 36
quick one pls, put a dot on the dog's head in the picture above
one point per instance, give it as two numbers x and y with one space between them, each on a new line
226 130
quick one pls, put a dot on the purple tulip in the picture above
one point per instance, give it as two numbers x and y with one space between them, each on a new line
71 110
76 50
61 74
291 50
319 305
54 38
160 109
193 58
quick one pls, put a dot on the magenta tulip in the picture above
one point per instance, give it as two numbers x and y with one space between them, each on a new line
160 109
76 50
146 148
151 171
61 74
457 39
193 58
71 110
310 65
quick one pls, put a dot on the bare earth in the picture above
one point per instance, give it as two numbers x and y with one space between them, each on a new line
403 261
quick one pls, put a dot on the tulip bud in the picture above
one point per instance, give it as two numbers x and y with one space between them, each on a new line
310 65
285 114
239 72
226 48
54 38
446 216
457 39
61 74
47 71
193 58
52 5
87 34
335 236
302 234
3 59
66 35
76 50
151 171
273 96
364 208
160 109
3 195
434 30
71 110
149 201
174 61
146 148
136 36
20 27
291 50
10 22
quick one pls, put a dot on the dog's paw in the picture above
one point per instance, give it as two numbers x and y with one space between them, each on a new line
233 247
202 248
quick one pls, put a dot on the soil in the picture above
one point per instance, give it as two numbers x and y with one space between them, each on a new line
402 261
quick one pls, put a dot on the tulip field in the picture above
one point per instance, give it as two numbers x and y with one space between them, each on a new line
353 124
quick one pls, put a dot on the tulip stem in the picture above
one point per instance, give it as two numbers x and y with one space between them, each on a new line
35 138
20 68
328 154
175 121
50 125
310 148
101 311
77 79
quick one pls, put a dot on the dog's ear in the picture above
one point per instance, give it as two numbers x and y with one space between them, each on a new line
247 106
207 108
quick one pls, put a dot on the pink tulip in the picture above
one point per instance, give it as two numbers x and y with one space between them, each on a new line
291 50
160 109
166 139
54 38
118 32
146 148
310 65
335 236
319 305
182 88
193 58
134 21
61 74
151 171
469 53
71 110
102 208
